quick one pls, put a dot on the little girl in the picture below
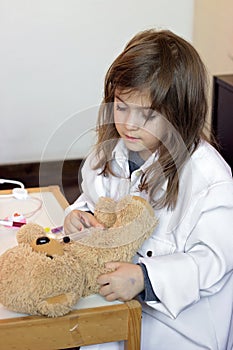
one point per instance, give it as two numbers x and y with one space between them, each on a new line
151 144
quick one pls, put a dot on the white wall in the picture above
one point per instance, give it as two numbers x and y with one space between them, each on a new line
54 55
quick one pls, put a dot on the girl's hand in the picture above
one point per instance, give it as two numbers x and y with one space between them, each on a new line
123 284
77 220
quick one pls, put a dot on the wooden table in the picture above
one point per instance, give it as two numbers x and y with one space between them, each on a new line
80 327
113 322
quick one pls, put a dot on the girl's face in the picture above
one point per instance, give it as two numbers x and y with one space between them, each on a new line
140 127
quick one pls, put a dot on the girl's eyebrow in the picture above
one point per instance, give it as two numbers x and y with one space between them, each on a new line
141 107
116 96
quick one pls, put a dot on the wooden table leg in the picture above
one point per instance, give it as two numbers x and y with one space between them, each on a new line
134 326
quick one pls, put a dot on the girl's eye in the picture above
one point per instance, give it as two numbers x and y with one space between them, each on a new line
121 108
149 117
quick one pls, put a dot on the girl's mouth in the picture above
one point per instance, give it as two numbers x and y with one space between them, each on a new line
131 138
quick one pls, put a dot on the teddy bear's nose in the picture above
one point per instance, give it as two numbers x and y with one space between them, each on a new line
42 240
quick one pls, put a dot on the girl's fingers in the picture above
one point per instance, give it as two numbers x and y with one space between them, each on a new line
78 220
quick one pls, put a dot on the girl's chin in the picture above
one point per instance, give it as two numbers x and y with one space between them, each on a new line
135 146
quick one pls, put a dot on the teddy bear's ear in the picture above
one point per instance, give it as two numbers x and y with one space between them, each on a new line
105 211
29 232
129 208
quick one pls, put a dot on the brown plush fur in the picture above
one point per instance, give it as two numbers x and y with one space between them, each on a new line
48 276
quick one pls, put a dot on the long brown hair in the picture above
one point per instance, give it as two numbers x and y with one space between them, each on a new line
171 71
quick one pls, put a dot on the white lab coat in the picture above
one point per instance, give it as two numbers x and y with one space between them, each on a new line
191 267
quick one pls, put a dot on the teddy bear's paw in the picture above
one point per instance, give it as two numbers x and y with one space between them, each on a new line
58 305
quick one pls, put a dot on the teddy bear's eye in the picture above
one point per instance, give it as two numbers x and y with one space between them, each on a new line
42 240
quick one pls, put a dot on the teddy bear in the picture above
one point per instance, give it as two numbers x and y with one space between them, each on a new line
45 275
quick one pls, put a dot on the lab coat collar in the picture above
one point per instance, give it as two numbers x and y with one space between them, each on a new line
121 156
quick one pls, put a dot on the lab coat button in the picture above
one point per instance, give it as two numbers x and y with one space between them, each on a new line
149 253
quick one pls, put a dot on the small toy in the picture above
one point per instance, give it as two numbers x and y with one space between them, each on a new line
14 221
47 276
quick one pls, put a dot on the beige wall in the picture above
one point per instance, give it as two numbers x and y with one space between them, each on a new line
213 36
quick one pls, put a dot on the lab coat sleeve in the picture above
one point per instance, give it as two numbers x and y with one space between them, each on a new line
182 278
82 203
91 188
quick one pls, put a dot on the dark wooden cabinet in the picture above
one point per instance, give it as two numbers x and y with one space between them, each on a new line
222 115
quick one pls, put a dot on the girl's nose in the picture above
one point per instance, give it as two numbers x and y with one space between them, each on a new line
132 121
